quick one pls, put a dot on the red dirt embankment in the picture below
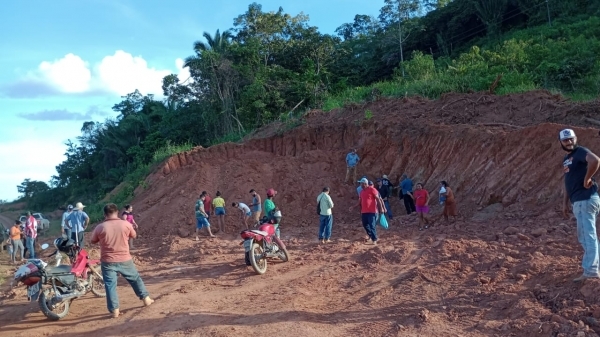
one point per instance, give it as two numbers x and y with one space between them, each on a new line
518 166
504 269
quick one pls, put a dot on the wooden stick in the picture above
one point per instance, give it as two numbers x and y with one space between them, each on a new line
503 124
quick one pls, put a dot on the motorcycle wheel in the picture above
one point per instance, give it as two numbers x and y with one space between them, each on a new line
284 255
260 266
97 285
55 312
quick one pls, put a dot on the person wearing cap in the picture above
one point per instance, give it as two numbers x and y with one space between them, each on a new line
384 193
325 216
370 203
581 192
66 230
385 181
352 160
78 221
359 188
256 205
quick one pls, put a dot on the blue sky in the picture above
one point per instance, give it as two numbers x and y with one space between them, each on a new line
63 62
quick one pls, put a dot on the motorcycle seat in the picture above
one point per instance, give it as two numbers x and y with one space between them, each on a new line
256 231
62 269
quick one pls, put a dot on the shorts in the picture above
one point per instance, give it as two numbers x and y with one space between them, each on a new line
202 222
248 214
422 209
256 215
220 211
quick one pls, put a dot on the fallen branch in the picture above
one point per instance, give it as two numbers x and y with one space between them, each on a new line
458 100
297 105
502 124
591 120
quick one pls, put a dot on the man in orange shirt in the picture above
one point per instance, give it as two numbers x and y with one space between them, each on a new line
369 202
15 240
113 236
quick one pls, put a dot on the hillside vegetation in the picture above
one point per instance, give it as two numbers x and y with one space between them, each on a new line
275 66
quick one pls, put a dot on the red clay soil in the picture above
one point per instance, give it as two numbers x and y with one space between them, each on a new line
504 269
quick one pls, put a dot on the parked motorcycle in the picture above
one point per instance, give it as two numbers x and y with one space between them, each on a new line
262 243
56 286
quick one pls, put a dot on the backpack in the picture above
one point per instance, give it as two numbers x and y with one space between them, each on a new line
319 206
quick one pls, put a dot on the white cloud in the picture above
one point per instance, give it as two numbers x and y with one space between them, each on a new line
120 73
69 74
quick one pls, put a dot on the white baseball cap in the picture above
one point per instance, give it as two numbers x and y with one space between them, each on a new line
566 134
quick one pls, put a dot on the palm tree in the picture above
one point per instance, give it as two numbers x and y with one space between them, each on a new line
211 65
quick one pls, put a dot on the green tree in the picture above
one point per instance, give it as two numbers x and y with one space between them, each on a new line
396 16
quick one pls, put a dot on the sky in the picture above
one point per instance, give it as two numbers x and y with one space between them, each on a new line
64 62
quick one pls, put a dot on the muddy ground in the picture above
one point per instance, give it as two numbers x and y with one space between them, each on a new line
505 268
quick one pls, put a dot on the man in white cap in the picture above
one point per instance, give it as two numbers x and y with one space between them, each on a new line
370 204
78 221
66 229
581 191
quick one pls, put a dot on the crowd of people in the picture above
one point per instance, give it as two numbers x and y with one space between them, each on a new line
374 201
206 207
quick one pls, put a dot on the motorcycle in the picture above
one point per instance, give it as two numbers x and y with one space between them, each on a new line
56 286
262 243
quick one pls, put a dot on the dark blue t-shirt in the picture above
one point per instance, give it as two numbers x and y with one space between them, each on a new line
575 167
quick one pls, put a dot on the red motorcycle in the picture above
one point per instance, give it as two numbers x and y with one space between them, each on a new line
262 243
57 286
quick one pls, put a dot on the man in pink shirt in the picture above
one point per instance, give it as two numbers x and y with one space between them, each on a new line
30 234
113 236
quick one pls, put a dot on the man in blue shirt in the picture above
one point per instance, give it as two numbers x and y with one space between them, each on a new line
78 221
352 160
407 189
581 191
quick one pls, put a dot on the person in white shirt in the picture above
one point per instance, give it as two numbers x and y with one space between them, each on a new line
245 212
325 204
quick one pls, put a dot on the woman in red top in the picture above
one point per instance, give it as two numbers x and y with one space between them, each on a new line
421 197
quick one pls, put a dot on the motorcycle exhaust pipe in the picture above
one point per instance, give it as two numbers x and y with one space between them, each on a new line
63 297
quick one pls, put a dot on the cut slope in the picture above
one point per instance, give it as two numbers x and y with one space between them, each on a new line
518 166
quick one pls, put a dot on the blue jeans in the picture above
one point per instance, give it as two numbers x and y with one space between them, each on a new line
68 232
326 222
369 220
586 211
29 243
389 209
129 272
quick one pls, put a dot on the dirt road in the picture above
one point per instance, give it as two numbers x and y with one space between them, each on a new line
447 281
